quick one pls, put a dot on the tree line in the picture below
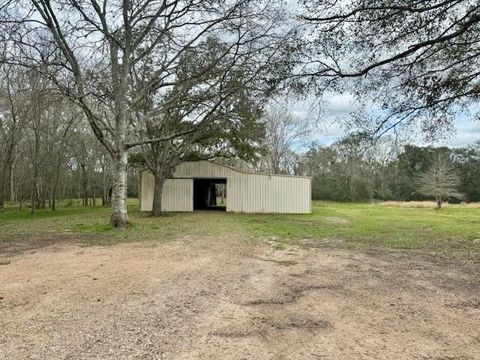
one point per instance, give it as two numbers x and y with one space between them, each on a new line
350 171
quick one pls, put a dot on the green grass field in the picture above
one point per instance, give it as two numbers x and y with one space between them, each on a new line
450 231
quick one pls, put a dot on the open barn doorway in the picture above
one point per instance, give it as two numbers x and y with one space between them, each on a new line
210 194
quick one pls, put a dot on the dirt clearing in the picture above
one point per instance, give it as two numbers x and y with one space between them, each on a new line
220 299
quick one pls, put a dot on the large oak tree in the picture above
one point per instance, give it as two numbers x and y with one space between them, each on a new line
413 61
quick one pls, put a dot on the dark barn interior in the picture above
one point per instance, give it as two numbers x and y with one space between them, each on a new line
209 194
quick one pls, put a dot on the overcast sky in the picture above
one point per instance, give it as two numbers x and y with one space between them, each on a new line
338 105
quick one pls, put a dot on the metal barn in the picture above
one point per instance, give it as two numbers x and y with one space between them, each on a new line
204 185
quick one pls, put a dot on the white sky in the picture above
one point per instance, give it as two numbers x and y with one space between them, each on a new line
340 105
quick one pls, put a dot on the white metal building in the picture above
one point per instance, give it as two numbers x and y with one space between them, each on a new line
197 185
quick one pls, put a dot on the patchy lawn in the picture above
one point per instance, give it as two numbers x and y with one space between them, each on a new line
451 232
346 282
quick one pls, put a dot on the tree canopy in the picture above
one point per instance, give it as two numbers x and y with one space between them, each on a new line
407 61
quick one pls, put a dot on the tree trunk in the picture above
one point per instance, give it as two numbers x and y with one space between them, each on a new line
55 184
157 194
54 191
35 171
2 206
2 190
84 185
6 171
43 195
12 185
34 189
104 187
439 203
54 198
94 185
119 216
34 194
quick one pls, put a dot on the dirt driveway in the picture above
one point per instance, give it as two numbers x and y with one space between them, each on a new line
219 299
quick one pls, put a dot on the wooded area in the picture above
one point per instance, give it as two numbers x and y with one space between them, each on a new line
342 172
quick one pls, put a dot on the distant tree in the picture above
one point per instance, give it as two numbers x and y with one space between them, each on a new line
355 167
341 171
13 117
467 164
285 133
409 165
440 181
381 156
318 162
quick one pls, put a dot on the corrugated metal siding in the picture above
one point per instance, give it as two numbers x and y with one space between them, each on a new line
203 169
276 194
177 194
251 193
147 184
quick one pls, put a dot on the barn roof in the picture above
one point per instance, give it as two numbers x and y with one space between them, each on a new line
245 171
256 173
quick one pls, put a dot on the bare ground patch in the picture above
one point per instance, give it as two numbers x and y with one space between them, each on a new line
219 299
17 245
